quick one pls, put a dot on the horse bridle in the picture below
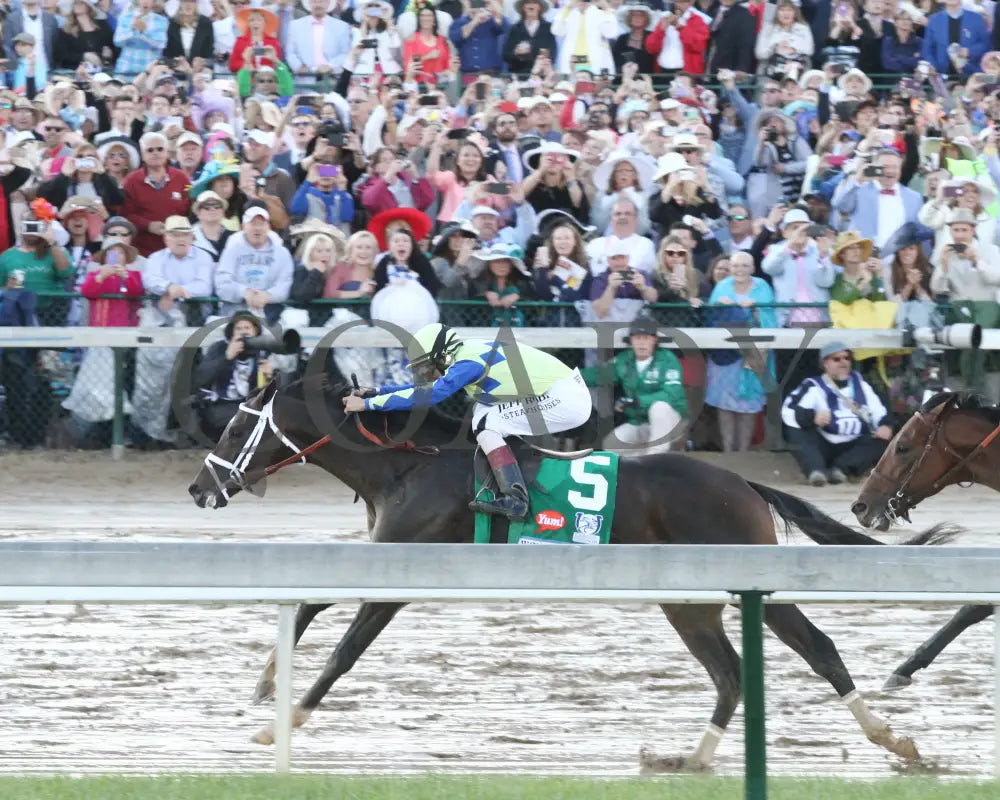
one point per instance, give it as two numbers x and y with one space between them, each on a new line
265 420
898 506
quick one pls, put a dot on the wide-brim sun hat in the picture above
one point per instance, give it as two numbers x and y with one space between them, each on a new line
520 4
626 9
809 74
271 23
532 157
766 116
854 72
962 216
440 243
669 164
550 218
987 194
501 252
312 226
643 165
207 195
847 239
214 169
418 223
131 253
932 145
685 141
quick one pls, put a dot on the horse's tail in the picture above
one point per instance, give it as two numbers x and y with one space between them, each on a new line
824 529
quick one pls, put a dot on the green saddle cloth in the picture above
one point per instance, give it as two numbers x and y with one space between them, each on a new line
570 502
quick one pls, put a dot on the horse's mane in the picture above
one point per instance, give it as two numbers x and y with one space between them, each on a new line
963 401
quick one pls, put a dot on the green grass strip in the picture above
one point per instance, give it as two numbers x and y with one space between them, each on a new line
330 787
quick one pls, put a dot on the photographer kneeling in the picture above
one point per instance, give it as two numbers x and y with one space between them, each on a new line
229 372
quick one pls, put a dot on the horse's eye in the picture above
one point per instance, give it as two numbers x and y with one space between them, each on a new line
903 448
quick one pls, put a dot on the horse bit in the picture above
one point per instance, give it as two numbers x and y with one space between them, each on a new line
899 505
265 420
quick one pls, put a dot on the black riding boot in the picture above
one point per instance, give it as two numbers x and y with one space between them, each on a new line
512 501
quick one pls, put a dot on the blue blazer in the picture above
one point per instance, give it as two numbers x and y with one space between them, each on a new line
860 204
974 37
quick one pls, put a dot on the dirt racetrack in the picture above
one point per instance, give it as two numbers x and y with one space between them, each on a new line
452 688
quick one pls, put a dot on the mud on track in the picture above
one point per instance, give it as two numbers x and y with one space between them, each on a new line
553 688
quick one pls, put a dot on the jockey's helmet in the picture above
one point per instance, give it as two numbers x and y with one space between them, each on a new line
433 348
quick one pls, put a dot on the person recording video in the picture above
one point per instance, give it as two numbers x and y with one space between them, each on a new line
230 371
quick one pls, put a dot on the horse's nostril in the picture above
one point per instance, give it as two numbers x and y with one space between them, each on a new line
859 508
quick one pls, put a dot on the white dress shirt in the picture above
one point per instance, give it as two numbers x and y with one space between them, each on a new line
891 214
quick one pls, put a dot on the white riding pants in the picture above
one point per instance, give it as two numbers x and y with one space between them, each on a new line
564 406
663 428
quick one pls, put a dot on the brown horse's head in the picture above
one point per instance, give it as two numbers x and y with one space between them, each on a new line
928 454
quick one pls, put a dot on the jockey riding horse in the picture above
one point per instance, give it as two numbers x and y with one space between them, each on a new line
518 391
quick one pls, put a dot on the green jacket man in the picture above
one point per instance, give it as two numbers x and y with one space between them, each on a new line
649 391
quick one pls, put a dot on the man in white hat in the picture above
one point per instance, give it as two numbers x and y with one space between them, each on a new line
874 201
255 269
968 271
787 261
189 152
258 151
179 271
486 222
621 281
318 43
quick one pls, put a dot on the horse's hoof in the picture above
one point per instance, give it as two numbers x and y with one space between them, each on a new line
650 764
263 736
264 691
896 682
906 749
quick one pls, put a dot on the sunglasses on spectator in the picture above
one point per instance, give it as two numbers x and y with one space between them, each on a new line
119 234
54 129
686 151
211 205
738 217
356 101
155 149
675 252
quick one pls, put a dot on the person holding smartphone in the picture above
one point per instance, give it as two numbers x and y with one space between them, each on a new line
46 267
83 173
475 35
529 37
967 271
116 274
426 54
324 196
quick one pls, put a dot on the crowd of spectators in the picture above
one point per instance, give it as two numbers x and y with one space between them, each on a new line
552 162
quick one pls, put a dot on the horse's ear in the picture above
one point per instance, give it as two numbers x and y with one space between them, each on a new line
279 381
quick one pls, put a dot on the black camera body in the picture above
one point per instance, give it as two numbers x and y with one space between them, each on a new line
772 135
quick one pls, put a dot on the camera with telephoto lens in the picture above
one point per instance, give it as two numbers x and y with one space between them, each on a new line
960 336
772 135
290 343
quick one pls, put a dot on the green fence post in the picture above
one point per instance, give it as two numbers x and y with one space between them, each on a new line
755 745
118 423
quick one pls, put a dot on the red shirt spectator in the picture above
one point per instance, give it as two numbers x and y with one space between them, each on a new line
114 277
258 28
154 192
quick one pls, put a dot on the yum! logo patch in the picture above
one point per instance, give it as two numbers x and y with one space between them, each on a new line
549 521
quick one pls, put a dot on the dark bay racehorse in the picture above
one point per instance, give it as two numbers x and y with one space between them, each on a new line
414 497
953 438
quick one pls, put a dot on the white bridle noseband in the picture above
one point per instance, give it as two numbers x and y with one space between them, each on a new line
237 467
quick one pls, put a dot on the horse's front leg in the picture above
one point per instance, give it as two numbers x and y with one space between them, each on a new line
368 623
304 614
965 617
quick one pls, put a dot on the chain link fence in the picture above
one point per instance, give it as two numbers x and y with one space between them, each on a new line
66 398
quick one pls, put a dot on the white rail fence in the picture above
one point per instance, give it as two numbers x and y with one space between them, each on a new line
285 574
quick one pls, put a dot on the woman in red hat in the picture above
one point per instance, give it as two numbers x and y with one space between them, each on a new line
257 46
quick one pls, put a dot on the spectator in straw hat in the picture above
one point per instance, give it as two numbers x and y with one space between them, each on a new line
529 37
180 271
209 232
257 45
